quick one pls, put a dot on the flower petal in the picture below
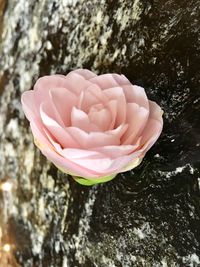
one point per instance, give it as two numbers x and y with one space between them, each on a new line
75 153
59 133
94 139
46 83
104 81
40 138
95 165
116 93
136 119
119 131
101 118
29 106
92 126
112 106
155 111
106 166
62 101
136 94
153 127
117 151
66 165
110 80
80 119
132 165
76 83
92 96
87 74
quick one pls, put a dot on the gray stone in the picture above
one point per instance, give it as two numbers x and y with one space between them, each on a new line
146 217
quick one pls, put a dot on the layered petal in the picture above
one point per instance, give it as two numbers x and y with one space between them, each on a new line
116 151
67 166
29 105
93 139
76 83
90 126
87 74
100 167
136 94
45 84
92 96
62 102
61 135
105 81
112 106
116 93
73 153
153 127
101 118
136 120
110 80
80 119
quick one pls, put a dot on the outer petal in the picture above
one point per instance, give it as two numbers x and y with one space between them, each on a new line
67 166
132 165
77 83
32 114
105 81
106 166
40 138
29 106
155 111
136 94
87 74
85 167
117 151
74 153
153 127
110 80
73 82
136 120
107 169
45 84
93 139
95 165
151 134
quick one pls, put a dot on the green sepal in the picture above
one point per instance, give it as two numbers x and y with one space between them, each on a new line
88 182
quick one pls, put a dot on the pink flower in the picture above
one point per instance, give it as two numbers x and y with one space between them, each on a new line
92 127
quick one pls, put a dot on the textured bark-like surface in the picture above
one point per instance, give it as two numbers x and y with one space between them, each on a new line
147 217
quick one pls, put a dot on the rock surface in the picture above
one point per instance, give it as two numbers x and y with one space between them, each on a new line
146 217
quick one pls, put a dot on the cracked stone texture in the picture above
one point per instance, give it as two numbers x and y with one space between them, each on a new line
146 217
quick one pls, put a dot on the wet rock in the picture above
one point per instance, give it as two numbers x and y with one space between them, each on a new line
147 217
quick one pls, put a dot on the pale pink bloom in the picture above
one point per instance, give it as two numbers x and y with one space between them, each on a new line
92 126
